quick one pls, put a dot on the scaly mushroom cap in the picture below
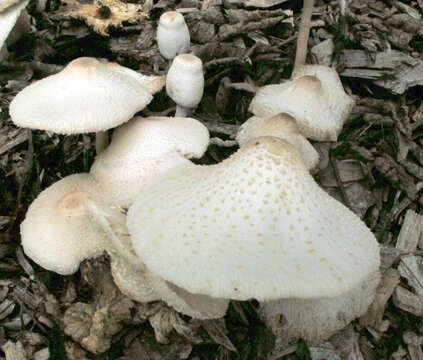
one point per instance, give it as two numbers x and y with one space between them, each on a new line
254 226
172 35
314 97
136 281
87 96
315 320
9 17
144 148
185 80
57 233
282 126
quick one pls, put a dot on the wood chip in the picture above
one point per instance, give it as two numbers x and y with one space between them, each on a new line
324 351
374 315
414 344
216 331
411 268
323 52
346 342
257 3
393 70
43 354
389 256
407 301
14 351
411 231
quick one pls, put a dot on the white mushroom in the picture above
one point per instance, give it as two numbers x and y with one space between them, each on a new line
254 226
282 126
172 35
185 83
145 148
10 12
136 281
87 96
314 97
57 232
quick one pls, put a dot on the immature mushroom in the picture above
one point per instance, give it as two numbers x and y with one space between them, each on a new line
172 35
254 226
10 13
282 126
136 281
86 96
185 83
57 232
145 148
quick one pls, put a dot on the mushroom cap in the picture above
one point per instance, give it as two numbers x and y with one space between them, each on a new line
7 3
282 126
57 233
86 96
315 320
136 281
144 148
9 17
314 97
172 35
185 80
254 226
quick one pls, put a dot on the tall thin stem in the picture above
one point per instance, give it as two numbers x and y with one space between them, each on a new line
304 32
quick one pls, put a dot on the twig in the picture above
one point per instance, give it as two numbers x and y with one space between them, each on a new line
304 32
223 143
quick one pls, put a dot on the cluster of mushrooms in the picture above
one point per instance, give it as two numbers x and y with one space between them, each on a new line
255 226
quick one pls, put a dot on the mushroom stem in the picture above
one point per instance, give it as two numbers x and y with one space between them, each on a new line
182 111
101 141
304 32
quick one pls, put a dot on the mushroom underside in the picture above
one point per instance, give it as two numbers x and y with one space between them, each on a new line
315 320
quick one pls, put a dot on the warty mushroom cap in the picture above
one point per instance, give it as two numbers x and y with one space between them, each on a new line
136 281
172 35
254 226
8 17
185 81
57 232
144 148
282 126
314 97
86 96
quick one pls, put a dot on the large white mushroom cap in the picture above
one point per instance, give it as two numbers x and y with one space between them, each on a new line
144 148
87 96
185 81
314 97
139 283
254 226
57 232
282 126
9 14
172 35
